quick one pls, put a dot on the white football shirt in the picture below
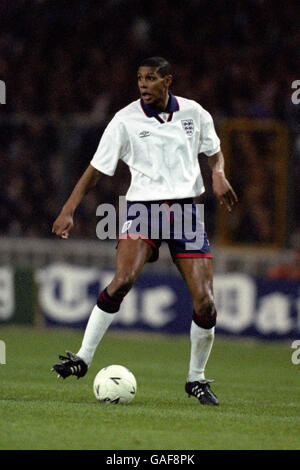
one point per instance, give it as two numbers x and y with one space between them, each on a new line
161 150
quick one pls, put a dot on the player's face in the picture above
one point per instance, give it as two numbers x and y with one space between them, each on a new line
153 87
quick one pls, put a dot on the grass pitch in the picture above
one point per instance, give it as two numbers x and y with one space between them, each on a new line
256 383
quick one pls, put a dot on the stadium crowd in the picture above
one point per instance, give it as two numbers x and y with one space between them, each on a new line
69 66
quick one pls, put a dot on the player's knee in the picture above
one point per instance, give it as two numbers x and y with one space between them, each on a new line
110 299
204 314
122 284
204 306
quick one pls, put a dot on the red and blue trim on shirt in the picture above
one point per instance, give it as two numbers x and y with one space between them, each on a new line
151 111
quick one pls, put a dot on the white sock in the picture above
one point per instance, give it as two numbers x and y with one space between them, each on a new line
97 325
201 343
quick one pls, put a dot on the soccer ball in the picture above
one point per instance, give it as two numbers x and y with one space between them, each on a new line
115 384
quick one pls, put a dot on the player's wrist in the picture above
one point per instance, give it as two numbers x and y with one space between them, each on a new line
217 173
68 210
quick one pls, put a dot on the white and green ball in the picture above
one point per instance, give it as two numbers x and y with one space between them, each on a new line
115 384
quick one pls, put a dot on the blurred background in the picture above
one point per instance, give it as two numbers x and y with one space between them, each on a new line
67 68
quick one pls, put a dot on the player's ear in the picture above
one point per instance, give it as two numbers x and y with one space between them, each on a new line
168 80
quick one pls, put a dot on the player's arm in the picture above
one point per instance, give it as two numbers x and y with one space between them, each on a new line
64 222
221 186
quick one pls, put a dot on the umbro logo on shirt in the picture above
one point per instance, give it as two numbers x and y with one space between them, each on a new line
144 134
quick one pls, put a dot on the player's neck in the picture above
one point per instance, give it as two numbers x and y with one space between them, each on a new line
163 104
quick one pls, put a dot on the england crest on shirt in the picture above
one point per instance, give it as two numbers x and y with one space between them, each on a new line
188 126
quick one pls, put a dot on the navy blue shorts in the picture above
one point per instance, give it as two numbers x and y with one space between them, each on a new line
177 222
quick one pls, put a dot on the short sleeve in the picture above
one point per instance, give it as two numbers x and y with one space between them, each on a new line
113 146
209 141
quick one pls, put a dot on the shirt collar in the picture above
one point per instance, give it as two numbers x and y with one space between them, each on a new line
151 111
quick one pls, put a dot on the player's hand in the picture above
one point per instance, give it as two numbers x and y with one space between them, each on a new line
63 225
224 191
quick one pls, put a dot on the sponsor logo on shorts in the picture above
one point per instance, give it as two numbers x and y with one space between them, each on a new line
126 226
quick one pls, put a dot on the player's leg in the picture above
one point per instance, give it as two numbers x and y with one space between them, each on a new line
132 254
130 259
198 275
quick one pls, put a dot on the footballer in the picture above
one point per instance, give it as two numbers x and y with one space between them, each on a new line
159 136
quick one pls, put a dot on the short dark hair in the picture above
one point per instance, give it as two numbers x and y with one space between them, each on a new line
163 67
